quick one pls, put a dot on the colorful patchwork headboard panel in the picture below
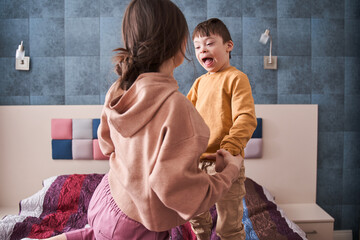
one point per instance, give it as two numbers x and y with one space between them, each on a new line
75 139
254 148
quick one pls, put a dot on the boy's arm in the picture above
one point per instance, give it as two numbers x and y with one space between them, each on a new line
192 95
243 117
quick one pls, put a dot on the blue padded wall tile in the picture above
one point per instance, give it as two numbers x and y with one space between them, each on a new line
252 30
14 9
327 78
327 9
188 71
262 81
15 100
265 98
224 8
331 111
351 150
350 218
321 31
351 182
47 37
294 98
46 8
13 82
82 36
45 79
335 211
330 155
258 131
193 21
61 149
352 37
352 9
294 76
237 61
47 100
82 100
113 8
84 80
95 126
259 8
107 74
192 8
294 37
352 113
352 75
234 25
110 35
85 8
329 186
294 8
13 31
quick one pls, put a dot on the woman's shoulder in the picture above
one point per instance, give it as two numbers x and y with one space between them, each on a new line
183 116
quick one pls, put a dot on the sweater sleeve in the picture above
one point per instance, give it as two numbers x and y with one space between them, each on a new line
176 175
243 117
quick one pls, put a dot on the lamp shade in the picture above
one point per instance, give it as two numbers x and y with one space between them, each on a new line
20 52
265 37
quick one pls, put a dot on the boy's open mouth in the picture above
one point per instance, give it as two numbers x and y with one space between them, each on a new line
207 61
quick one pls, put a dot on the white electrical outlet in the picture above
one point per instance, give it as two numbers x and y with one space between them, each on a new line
270 64
23 65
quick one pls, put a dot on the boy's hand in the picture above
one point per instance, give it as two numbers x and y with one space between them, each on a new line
223 158
219 161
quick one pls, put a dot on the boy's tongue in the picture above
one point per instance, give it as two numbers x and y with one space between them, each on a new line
208 62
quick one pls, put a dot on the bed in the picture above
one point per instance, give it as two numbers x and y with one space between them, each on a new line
61 204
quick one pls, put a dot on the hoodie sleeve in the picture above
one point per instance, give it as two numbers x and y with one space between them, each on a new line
176 175
105 142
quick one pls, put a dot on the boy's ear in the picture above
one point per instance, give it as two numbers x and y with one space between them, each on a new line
229 45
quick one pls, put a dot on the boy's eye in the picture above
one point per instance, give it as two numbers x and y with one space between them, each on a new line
209 44
197 47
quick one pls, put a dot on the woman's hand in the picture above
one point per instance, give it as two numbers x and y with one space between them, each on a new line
223 158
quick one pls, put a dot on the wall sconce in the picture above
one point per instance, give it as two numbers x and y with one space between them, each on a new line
22 62
270 62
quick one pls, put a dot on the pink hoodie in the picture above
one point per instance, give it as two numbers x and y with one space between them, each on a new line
154 137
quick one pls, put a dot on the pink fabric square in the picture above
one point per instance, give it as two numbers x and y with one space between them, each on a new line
98 155
254 148
61 128
82 149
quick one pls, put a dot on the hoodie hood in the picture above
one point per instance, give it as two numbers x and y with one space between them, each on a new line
129 111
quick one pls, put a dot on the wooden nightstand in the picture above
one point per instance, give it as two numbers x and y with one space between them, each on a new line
312 219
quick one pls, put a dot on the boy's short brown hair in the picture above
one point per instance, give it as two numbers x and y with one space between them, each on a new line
212 26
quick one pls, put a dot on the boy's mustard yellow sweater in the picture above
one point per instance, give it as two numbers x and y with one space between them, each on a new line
225 102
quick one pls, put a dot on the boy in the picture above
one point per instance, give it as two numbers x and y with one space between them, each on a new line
223 98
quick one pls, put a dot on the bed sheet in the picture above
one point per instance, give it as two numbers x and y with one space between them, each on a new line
61 206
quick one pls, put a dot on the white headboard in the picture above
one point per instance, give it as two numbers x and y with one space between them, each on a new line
287 168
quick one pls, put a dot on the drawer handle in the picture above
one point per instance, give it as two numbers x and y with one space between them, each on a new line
312 232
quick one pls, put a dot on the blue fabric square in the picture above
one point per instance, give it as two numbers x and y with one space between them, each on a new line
61 149
96 123
258 131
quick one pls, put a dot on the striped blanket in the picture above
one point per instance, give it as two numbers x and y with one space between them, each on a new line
61 206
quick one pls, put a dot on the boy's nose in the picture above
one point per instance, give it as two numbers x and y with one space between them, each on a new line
203 49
